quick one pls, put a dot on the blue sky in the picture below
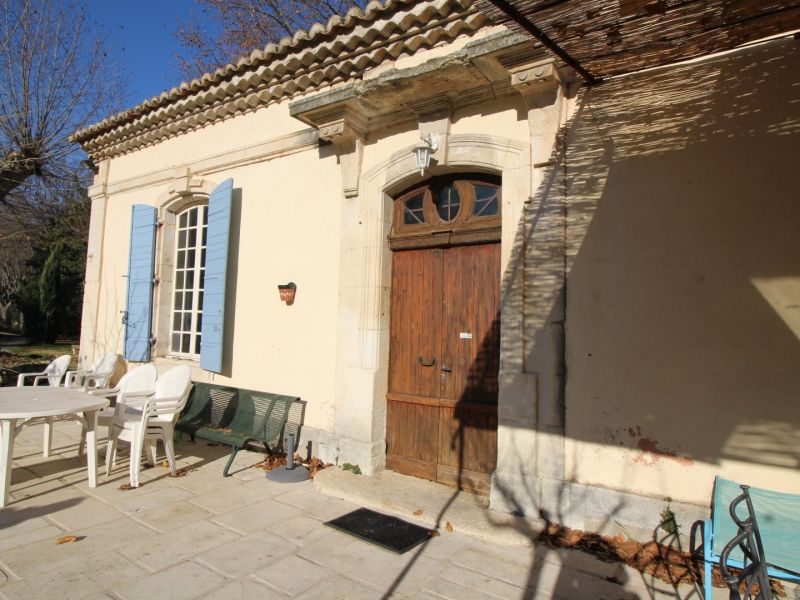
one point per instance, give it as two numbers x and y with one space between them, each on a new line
140 34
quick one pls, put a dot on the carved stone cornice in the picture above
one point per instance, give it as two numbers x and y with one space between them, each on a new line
541 87
185 184
341 123
427 92
343 126
535 78
99 189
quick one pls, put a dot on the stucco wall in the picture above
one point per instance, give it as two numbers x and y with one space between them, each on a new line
284 228
223 136
683 293
289 219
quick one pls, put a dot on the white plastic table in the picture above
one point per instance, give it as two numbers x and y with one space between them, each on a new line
22 403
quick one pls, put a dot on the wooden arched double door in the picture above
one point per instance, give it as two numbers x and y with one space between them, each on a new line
445 332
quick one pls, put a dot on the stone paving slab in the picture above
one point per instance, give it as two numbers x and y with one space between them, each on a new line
317 506
222 499
184 581
78 577
292 575
244 589
367 563
31 559
516 570
172 547
479 583
300 530
257 517
170 516
441 587
246 537
246 555
155 498
339 588
25 537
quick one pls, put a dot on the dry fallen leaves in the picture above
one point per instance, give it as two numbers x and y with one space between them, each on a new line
273 462
315 465
179 473
126 486
448 527
278 459
66 539
665 562
418 512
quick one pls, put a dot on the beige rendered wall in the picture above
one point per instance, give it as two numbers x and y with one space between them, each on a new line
223 136
288 225
683 294
284 228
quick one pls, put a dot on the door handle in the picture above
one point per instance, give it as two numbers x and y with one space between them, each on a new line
446 369
425 363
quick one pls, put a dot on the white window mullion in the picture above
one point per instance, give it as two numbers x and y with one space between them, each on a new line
189 265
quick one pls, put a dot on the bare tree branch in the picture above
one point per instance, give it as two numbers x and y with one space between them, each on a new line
224 30
55 78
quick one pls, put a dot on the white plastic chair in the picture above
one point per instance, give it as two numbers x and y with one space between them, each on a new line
53 372
149 420
135 385
96 377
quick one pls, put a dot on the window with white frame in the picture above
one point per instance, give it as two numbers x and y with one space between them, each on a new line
189 278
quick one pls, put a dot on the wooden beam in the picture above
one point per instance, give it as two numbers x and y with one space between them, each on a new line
548 43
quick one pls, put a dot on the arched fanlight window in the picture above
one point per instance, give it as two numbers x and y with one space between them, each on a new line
463 209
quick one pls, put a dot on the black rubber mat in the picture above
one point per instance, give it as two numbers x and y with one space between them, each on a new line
388 532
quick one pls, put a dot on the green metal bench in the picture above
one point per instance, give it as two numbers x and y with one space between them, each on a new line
234 417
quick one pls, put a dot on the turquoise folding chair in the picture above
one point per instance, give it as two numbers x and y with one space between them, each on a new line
778 516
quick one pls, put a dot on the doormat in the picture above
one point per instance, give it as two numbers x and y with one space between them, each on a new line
388 532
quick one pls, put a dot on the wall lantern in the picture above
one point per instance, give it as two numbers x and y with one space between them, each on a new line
287 293
423 151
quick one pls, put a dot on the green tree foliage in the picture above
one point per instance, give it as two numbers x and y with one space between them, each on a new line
49 291
56 76
51 300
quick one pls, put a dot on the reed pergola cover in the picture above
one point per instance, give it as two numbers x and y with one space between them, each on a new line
602 38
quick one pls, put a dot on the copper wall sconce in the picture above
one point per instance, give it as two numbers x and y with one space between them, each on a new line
287 292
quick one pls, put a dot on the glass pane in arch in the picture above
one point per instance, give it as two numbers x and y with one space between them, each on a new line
448 203
486 201
413 213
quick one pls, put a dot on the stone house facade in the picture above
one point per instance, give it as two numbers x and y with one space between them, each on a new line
586 303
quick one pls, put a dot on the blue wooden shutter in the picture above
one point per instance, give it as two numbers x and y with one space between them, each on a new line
219 226
141 261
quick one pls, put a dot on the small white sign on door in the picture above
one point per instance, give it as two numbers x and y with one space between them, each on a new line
465 335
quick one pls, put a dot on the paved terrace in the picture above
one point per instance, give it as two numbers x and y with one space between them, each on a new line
202 536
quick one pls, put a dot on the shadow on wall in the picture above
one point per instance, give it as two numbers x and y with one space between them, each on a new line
684 264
